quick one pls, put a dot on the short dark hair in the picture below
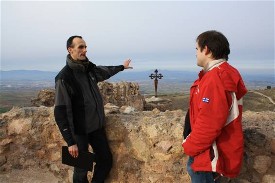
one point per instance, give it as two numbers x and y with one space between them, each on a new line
216 42
70 40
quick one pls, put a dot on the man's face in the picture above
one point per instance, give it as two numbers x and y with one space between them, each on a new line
201 57
78 49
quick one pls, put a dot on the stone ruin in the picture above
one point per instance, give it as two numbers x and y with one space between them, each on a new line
119 94
146 145
44 98
122 94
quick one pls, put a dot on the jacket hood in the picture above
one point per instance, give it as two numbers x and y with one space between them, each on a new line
232 80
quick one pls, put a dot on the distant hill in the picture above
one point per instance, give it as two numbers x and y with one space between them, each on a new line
33 75
171 79
130 75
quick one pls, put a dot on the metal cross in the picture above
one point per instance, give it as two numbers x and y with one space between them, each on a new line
156 76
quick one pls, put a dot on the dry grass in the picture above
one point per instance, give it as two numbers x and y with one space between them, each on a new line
252 101
270 93
257 103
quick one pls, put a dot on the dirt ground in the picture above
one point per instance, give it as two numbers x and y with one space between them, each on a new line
35 175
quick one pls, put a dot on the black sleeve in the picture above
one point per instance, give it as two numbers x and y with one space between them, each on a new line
62 112
105 72
187 127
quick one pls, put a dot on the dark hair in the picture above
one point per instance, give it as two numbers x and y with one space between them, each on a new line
216 42
70 40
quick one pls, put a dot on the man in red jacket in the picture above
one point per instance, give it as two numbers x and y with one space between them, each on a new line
215 144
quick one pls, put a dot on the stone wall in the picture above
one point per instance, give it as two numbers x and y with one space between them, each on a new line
122 94
119 94
146 146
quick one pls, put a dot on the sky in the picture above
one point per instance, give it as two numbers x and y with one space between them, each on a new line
153 34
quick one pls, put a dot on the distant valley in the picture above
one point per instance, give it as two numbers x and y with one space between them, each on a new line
172 82
20 86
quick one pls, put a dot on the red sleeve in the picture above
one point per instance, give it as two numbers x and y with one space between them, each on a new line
212 116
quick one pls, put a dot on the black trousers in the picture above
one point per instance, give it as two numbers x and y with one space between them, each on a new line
104 160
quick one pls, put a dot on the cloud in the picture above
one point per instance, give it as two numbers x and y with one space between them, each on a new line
155 33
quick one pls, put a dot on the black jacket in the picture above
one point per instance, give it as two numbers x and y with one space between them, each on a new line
78 103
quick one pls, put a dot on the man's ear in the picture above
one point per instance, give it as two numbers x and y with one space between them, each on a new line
69 49
207 51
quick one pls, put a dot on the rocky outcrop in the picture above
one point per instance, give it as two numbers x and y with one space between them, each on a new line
119 94
122 94
158 103
44 98
259 159
146 146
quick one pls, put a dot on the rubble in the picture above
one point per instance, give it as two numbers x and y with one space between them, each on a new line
146 145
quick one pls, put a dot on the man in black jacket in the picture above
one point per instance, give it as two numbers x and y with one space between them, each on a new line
79 110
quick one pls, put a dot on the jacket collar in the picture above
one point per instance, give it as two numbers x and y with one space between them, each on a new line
212 64
83 66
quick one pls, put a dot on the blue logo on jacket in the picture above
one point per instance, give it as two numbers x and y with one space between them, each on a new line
206 100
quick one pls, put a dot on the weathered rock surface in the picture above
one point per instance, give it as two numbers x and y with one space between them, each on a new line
44 98
146 147
119 94
157 103
122 94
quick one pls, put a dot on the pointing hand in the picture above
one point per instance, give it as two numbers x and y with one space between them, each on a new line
127 63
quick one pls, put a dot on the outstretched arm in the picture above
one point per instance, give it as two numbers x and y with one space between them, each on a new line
105 72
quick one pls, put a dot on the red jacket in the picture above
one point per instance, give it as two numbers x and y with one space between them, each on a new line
216 140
